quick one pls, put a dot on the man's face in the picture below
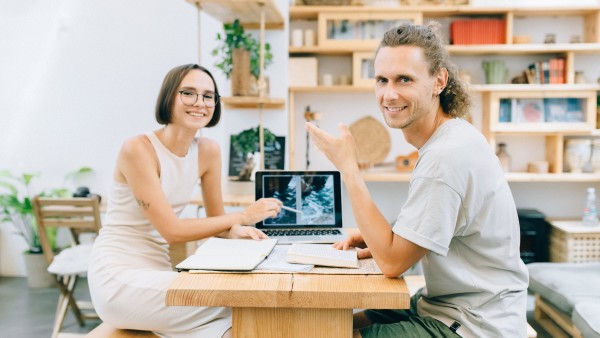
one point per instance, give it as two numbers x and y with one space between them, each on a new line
404 88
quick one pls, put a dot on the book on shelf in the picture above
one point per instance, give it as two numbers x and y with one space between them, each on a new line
228 254
321 254
546 72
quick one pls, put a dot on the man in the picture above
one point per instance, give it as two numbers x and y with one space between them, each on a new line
459 218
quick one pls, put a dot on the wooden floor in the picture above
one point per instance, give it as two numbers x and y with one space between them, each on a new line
29 313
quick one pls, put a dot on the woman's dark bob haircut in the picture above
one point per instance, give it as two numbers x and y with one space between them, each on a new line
168 93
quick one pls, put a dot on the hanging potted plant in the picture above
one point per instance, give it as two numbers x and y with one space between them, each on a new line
238 56
16 209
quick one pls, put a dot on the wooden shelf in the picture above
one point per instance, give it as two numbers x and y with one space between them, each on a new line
464 49
311 12
541 128
511 177
520 49
253 102
331 89
533 87
473 88
248 11
562 177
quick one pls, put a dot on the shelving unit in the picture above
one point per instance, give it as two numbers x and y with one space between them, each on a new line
554 132
253 14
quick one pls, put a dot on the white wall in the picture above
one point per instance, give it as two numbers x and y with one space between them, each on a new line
78 77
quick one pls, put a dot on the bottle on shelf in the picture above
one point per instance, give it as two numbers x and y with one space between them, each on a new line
590 212
504 157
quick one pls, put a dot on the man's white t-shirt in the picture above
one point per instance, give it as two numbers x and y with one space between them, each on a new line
461 209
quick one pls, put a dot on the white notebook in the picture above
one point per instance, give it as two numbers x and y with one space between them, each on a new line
322 254
228 254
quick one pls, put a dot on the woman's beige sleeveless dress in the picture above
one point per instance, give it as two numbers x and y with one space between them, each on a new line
130 269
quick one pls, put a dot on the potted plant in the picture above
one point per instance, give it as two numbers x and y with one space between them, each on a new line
16 209
246 143
238 56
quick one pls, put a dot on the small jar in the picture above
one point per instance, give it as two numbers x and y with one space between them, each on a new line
503 157
580 77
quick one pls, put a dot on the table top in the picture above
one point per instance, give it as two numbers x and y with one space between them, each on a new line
574 226
288 290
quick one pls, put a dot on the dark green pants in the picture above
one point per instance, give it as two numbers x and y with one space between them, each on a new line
404 323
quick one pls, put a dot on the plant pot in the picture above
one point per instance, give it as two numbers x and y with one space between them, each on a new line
240 72
255 87
37 271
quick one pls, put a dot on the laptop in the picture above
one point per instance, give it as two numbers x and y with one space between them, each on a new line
313 206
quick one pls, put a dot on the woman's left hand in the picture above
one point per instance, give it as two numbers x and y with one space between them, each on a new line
243 231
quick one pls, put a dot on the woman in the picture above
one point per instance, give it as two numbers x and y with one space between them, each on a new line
155 175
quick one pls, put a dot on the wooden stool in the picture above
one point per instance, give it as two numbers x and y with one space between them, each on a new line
106 331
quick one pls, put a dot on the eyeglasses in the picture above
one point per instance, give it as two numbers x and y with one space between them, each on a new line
189 98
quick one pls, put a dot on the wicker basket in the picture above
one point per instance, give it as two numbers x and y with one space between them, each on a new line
372 139
573 246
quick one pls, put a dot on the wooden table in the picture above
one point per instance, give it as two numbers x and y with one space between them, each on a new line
289 305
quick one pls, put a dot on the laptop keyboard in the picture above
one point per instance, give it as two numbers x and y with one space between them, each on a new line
303 232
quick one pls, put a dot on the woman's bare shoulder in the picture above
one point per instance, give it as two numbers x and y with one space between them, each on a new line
136 146
207 145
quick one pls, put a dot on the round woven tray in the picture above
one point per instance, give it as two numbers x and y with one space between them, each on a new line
372 140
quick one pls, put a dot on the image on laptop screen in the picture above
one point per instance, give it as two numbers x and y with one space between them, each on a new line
315 194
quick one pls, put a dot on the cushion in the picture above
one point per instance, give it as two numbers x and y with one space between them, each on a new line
71 261
565 284
586 318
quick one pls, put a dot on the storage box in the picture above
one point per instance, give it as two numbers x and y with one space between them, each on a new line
570 241
302 72
478 32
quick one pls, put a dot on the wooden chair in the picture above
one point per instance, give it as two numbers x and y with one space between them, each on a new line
79 215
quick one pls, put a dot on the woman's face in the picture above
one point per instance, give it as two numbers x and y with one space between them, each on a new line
194 104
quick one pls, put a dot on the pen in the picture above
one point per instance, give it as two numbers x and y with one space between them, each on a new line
291 209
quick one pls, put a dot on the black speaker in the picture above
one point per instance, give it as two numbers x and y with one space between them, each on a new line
535 233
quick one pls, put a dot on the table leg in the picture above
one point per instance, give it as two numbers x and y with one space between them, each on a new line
291 323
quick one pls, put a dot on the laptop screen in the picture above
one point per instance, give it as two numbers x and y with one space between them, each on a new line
315 195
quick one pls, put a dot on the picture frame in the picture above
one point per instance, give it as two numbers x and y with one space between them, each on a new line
555 109
575 110
274 156
359 30
363 72
506 110
530 111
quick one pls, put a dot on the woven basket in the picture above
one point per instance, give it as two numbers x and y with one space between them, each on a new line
372 140
574 247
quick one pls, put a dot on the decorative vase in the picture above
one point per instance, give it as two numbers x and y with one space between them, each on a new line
577 154
504 157
596 155
240 72
37 271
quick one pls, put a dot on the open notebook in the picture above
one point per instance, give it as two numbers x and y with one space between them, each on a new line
228 254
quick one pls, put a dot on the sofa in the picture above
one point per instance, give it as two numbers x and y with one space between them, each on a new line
567 298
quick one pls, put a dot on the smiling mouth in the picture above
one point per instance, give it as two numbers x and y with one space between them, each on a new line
194 114
395 109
